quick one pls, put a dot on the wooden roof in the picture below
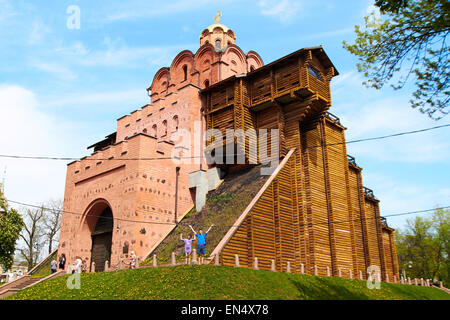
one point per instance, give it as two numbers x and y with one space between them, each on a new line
323 57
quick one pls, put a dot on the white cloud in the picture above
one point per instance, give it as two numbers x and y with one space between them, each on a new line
389 116
26 130
327 34
6 10
118 54
132 98
38 32
139 9
58 70
404 196
284 10
371 113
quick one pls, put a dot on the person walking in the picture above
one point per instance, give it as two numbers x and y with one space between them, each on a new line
201 243
77 265
132 260
62 261
187 247
54 265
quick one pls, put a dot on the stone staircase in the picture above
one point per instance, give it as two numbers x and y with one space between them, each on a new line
24 282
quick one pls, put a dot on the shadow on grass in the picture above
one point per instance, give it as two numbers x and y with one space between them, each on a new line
324 289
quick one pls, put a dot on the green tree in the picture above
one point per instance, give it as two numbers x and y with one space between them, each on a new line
11 224
441 225
408 40
423 248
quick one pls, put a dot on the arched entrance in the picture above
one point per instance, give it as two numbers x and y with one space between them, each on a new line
102 239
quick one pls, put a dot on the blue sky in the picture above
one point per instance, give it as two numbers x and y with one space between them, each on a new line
62 89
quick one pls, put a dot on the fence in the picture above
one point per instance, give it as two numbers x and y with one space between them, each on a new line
315 269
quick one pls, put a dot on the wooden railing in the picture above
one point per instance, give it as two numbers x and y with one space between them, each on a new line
351 160
333 118
369 193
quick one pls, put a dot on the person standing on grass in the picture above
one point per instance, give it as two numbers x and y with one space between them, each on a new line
201 243
187 247
54 265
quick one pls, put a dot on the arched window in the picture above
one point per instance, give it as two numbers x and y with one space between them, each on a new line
252 68
185 71
206 83
155 130
218 43
144 131
175 122
164 127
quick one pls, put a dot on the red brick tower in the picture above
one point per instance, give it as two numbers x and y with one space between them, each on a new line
128 193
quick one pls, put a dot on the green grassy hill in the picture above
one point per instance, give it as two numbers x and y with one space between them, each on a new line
223 206
210 282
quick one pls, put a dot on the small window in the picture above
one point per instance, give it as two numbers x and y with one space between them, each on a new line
315 73
185 71
218 43
206 83
175 122
155 130
252 68
164 127
126 246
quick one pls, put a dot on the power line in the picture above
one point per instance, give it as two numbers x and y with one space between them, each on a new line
193 157
229 226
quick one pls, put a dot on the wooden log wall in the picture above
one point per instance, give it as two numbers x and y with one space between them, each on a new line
269 230
387 253
394 256
356 195
341 215
390 253
316 212
321 242
373 234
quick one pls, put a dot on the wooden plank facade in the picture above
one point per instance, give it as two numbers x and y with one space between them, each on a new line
316 211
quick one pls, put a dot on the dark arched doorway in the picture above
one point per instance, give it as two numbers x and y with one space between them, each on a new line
102 240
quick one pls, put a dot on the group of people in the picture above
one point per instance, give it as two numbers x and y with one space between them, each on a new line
78 266
201 244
